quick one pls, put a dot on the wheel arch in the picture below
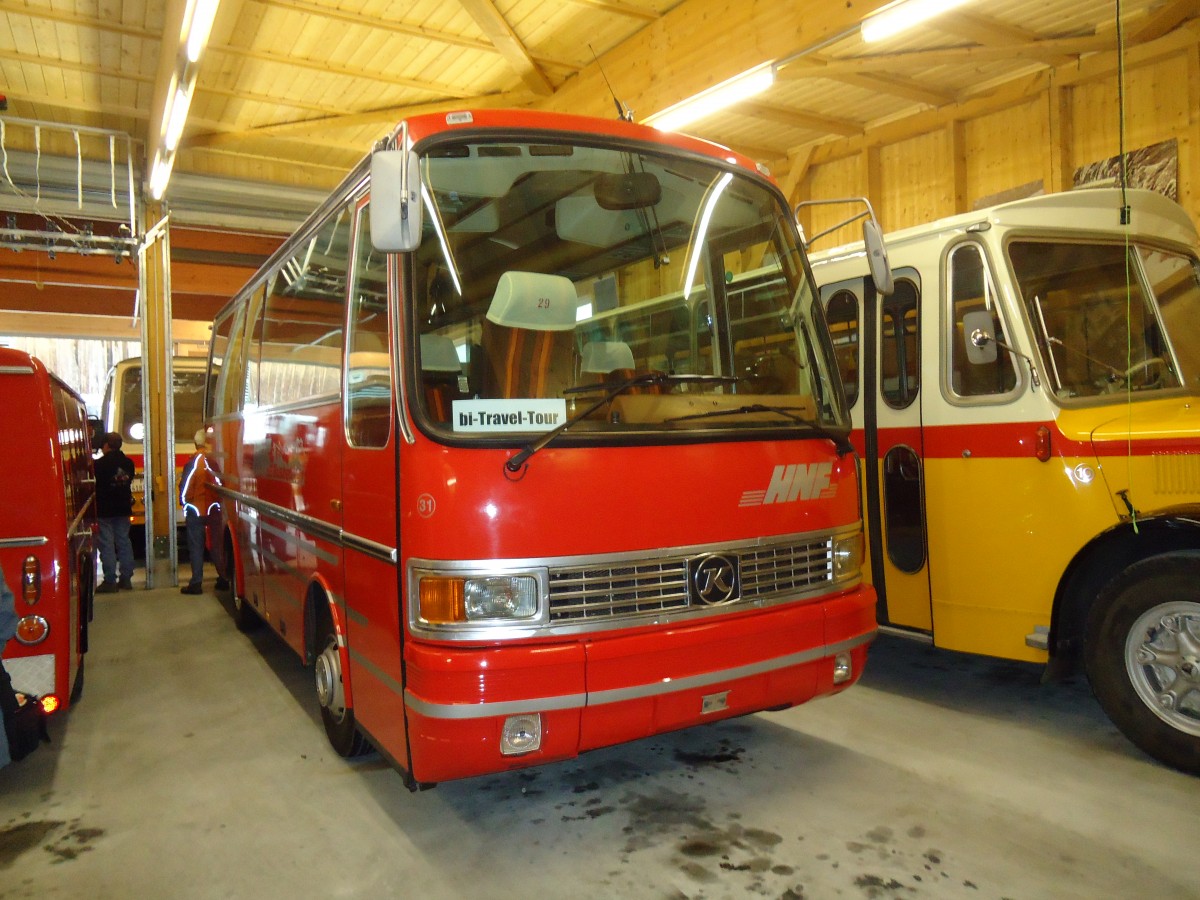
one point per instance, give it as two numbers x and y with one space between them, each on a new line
1101 560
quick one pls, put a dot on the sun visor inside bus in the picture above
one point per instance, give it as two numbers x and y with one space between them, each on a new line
535 301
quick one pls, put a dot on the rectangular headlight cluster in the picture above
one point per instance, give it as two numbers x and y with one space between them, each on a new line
448 600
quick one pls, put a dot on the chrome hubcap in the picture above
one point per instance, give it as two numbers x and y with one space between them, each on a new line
1162 658
328 673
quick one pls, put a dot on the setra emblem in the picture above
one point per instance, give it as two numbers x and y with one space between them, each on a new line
714 579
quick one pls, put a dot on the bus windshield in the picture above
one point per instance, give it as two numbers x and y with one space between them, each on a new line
1079 298
618 289
188 390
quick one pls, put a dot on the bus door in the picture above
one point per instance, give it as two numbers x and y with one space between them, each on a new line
887 415
369 484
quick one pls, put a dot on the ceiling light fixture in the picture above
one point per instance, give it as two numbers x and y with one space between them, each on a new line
724 95
902 16
194 32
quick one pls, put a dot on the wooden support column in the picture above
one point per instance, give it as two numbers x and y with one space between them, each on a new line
154 272
1060 171
1189 144
957 140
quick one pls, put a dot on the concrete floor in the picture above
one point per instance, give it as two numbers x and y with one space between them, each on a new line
195 767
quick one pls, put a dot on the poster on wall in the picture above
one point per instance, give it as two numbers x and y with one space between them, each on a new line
1155 167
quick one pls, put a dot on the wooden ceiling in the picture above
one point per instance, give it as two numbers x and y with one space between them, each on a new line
291 93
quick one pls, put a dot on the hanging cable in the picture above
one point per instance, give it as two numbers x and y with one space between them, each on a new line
78 172
1126 222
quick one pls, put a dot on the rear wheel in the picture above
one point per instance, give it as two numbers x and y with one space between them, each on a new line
1143 656
337 717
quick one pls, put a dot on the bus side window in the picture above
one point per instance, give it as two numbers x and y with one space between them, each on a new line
971 290
368 367
842 316
227 363
900 370
300 356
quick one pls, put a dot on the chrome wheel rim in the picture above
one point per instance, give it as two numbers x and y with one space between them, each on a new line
328 673
1162 659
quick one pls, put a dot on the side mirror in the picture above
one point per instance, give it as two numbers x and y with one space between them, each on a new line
395 200
877 260
978 338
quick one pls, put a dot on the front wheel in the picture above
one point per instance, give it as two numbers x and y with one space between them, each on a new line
1143 656
337 717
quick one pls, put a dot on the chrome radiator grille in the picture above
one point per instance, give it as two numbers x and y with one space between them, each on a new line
652 586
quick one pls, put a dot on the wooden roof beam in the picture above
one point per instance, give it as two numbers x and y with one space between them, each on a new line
989 32
797 118
500 33
1166 19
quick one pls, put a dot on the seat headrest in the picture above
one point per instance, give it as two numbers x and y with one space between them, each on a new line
535 301
438 354
602 357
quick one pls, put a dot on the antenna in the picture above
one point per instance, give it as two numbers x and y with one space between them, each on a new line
624 113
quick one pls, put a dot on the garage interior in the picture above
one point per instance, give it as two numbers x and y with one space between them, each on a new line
195 765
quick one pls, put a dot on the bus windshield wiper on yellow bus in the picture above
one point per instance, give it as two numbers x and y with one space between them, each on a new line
646 379
840 441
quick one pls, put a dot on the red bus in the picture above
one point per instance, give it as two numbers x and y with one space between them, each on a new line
47 527
532 442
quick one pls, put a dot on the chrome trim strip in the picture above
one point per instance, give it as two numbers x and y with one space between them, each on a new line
32 541
387 680
16 370
318 528
381 552
672 685
460 711
299 542
73 527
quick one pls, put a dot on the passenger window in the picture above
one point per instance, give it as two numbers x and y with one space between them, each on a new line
971 290
219 349
900 369
903 507
300 355
842 316
368 366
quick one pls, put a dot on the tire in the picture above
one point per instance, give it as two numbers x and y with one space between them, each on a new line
336 716
1142 654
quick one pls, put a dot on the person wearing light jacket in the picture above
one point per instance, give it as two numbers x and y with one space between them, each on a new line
202 514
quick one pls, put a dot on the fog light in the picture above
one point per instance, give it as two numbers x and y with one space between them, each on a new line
32 630
522 734
50 703
843 671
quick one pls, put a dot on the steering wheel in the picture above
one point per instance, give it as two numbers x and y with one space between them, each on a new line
1154 364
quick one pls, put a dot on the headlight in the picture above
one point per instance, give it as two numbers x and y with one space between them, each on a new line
847 555
446 600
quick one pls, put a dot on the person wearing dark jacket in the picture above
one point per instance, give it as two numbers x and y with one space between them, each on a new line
114 505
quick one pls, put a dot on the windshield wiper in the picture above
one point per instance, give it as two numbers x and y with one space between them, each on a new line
646 379
840 441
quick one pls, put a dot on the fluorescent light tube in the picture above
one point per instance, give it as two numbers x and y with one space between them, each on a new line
903 16
714 99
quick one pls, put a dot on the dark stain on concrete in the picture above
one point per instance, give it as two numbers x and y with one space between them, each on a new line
16 839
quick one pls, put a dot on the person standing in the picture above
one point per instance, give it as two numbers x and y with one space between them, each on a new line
114 505
202 514
8 697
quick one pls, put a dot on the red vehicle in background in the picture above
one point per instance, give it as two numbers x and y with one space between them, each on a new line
47 527
532 443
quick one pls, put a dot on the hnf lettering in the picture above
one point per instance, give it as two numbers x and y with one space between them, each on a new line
789 483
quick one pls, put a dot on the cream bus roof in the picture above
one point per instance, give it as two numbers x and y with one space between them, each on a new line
1083 211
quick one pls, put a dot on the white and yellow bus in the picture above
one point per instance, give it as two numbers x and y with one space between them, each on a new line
1026 404
122 412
